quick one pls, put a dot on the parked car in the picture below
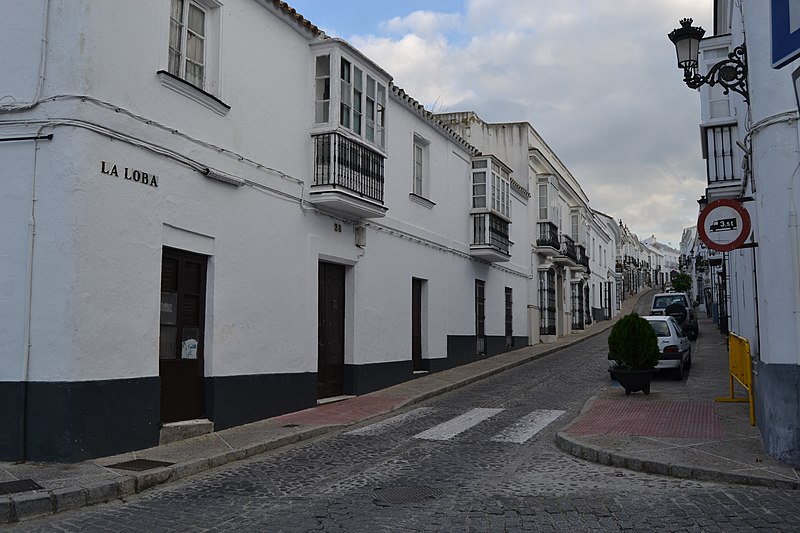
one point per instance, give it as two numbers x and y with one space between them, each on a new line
675 350
679 306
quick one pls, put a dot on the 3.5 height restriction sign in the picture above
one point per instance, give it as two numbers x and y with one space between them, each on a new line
724 225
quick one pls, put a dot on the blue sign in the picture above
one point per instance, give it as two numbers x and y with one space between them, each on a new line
785 31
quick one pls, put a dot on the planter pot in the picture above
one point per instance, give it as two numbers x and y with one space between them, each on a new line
634 380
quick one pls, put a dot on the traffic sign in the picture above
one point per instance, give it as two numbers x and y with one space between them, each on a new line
724 225
785 15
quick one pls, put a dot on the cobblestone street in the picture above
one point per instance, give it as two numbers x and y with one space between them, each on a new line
393 475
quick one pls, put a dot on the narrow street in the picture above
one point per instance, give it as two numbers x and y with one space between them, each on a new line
480 458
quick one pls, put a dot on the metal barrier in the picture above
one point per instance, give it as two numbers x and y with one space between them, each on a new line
741 368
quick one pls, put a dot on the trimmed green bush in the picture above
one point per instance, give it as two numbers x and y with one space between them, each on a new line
682 283
633 344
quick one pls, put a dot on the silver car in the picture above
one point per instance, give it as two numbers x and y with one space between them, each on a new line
673 345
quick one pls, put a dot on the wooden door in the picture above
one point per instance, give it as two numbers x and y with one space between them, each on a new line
181 343
416 323
330 344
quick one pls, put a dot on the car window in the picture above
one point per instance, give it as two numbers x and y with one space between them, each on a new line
660 327
662 302
678 328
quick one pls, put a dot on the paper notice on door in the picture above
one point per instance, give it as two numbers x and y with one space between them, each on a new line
189 349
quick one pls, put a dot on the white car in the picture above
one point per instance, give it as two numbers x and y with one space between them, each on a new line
673 345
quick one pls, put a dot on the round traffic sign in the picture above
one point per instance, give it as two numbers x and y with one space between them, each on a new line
724 225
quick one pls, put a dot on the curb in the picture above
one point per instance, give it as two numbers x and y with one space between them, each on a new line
28 506
598 455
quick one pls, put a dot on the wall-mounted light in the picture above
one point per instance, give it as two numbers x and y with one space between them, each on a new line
225 178
730 73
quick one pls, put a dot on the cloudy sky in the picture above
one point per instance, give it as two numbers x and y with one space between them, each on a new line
596 78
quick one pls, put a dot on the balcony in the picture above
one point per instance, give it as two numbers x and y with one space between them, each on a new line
348 177
583 259
568 255
548 243
490 238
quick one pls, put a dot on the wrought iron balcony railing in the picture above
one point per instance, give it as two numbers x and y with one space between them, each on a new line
342 163
583 259
489 229
720 165
568 248
548 235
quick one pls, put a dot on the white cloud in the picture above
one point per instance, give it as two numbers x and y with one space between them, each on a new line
423 23
597 78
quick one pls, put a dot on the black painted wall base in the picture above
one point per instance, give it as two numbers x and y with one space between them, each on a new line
777 390
363 379
73 421
461 349
237 400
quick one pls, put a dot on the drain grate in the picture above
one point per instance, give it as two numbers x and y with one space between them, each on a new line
290 426
21 485
139 465
411 494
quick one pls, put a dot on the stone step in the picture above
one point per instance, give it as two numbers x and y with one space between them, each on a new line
185 429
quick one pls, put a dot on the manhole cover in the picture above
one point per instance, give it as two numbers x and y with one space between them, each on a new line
139 465
399 495
21 485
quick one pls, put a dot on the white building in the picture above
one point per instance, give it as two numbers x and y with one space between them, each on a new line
227 235
215 212
569 247
752 155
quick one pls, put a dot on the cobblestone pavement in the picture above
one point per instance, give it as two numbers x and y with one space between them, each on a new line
386 478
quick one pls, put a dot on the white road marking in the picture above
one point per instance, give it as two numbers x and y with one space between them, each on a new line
385 425
527 427
451 428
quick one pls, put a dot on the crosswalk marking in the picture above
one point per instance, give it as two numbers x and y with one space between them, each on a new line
385 425
528 426
454 426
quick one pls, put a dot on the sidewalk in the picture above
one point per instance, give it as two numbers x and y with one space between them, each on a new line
676 430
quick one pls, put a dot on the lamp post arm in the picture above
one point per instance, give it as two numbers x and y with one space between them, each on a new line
730 73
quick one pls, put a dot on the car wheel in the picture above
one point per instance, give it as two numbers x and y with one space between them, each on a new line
689 360
678 376
692 334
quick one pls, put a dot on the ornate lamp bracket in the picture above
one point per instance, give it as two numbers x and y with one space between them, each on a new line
730 73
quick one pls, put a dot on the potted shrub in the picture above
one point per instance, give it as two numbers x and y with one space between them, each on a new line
633 347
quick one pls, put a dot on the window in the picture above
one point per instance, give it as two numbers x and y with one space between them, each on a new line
375 112
346 95
193 56
480 319
420 185
547 302
322 90
187 42
543 201
575 227
479 184
361 98
491 179
718 99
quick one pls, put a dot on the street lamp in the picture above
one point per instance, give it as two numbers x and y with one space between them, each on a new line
730 73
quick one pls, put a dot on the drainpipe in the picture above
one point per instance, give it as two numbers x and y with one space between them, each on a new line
26 349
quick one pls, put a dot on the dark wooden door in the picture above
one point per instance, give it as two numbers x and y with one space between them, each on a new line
330 344
181 343
416 323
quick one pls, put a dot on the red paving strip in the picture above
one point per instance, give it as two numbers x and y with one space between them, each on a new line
649 419
343 412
